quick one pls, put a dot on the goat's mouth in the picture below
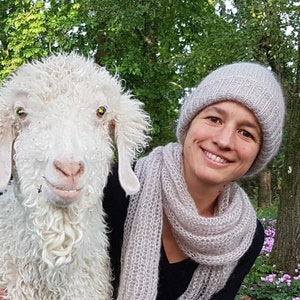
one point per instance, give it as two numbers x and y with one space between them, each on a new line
64 192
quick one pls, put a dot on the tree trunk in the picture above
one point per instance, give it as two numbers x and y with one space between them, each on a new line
286 251
265 192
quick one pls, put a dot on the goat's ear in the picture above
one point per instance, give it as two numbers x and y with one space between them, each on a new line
6 141
131 127
127 177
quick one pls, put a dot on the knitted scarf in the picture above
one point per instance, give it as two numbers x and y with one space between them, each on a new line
215 243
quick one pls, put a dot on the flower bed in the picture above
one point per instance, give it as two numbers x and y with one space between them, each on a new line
265 282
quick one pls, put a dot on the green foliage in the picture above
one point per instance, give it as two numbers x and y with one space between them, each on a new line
161 50
268 213
33 29
19 38
265 32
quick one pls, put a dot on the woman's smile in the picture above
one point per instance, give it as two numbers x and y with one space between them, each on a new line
215 157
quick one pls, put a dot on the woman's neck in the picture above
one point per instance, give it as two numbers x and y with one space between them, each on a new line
205 203
205 196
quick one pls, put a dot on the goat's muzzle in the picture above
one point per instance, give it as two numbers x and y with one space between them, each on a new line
64 180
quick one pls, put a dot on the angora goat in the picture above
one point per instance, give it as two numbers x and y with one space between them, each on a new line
59 120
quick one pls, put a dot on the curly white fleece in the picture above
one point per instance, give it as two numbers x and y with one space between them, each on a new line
51 247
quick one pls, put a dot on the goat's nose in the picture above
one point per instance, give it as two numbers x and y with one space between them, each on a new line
70 169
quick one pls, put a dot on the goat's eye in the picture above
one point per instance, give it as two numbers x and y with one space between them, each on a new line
101 111
21 112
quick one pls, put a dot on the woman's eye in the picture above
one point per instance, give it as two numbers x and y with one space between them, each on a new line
214 119
101 111
247 134
21 112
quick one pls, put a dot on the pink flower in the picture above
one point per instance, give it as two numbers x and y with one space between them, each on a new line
269 240
268 278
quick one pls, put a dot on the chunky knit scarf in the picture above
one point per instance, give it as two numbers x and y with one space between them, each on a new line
215 243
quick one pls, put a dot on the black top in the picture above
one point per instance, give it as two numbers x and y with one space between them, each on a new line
174 278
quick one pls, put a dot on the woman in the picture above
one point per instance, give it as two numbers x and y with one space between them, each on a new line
191 231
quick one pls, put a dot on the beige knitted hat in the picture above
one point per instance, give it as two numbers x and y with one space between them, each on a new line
250 84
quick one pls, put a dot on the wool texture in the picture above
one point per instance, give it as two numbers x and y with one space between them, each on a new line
251 85
216 243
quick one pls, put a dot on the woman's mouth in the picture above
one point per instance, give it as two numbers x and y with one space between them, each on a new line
215 158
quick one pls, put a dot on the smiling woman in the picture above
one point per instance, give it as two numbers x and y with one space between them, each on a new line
191 231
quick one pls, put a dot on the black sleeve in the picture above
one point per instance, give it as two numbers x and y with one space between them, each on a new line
242 269
115 204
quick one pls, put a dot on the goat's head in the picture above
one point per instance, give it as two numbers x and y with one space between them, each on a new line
59 118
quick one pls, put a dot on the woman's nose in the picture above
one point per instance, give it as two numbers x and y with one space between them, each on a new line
224 138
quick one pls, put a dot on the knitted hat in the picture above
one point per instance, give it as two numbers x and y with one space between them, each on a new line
250 84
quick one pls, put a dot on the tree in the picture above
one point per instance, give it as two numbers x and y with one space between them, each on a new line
286 252
265 194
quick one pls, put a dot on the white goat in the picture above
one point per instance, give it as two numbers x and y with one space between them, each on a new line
59 118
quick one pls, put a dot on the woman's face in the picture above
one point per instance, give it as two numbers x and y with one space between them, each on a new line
221 144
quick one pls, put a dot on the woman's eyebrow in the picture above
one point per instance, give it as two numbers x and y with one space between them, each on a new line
214 108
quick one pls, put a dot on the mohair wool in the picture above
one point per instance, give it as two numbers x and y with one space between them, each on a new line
216 243
251 85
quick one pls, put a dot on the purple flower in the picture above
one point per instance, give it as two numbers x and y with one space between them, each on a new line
268 278
269 240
